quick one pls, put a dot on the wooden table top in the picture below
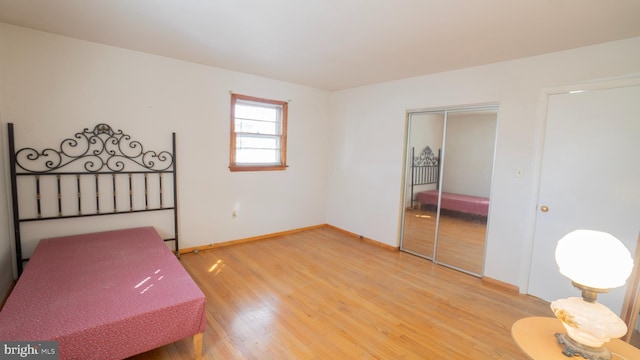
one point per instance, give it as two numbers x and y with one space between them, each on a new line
536 337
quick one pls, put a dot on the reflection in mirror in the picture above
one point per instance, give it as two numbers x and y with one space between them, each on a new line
424 144
467 167
631 305
633 328
445 215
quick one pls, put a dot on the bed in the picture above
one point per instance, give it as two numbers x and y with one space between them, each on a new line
467 204
107 294
425 170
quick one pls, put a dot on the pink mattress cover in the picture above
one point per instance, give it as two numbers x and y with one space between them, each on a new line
457 202
107 295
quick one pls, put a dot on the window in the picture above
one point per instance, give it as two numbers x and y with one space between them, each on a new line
258 134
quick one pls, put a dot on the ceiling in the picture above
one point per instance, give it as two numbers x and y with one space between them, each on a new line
334 44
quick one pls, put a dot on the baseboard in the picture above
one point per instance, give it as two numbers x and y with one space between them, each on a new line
365 239
282 233
500 284
253 238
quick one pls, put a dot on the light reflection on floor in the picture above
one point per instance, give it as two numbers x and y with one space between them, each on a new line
217 267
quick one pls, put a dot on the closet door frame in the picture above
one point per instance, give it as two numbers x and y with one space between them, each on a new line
494 107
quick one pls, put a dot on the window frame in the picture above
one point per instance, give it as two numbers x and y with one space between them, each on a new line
282 165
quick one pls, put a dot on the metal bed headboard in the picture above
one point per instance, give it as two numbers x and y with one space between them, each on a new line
87 174
425 169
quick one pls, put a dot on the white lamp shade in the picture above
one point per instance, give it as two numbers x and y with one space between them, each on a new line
593 258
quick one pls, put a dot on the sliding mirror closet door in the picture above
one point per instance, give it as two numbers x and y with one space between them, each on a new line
445 215
424 141
467 168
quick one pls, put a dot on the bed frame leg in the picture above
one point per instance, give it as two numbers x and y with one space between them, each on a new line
198 344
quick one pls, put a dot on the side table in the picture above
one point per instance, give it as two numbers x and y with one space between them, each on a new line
535 337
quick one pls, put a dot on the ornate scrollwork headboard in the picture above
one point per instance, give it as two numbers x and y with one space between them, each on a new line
426 158
99 150
99 171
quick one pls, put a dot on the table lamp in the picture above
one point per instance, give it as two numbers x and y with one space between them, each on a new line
595 262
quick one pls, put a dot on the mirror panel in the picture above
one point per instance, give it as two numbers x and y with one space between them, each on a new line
631 304
424 141
467 168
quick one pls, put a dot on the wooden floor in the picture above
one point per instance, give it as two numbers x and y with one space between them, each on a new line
321 294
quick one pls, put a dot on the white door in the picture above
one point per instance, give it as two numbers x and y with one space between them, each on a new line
590 179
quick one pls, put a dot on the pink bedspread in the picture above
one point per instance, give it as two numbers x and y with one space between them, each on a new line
106 295
456 202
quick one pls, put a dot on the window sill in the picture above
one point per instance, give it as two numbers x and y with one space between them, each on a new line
257 167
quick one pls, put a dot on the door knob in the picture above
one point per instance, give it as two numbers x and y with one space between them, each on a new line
544 208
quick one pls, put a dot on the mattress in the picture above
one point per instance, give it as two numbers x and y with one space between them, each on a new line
107 295
456 202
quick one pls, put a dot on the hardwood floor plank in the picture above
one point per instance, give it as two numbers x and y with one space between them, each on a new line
321 294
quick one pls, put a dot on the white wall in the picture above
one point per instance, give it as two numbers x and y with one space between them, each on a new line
367 143
54 86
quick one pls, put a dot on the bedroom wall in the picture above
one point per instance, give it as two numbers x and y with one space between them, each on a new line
54 86
367 143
